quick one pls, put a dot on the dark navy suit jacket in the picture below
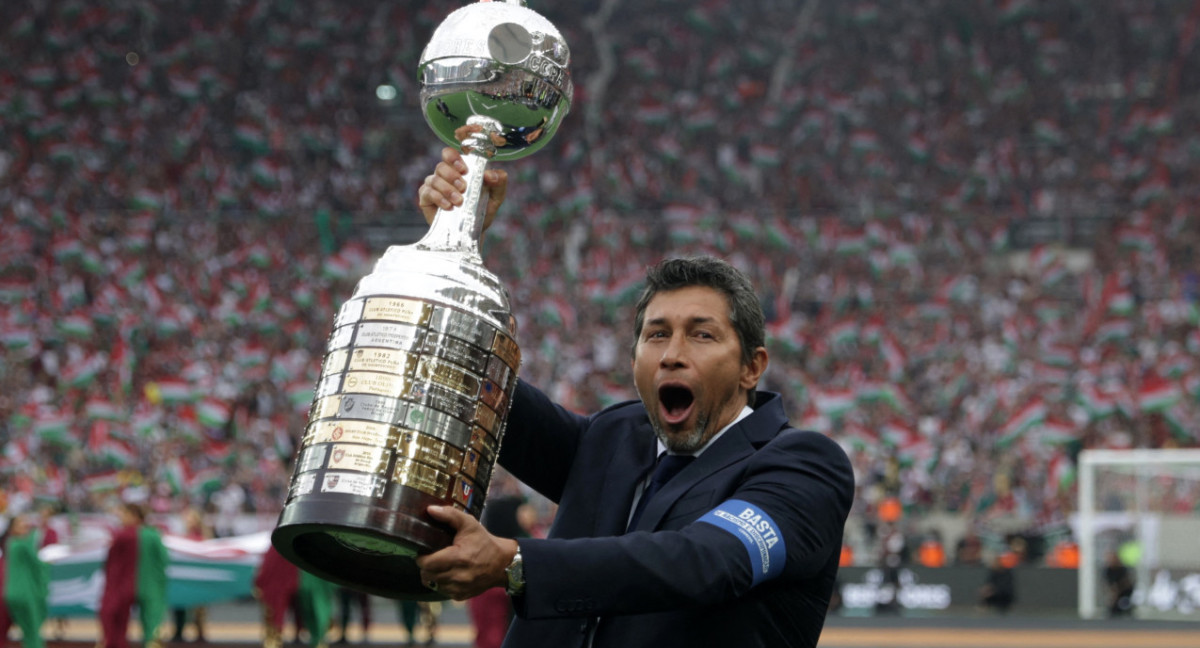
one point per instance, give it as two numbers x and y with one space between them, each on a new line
674 581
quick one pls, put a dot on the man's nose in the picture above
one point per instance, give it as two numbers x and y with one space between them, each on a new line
674 354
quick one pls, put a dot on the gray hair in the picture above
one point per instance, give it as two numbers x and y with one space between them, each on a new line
745 311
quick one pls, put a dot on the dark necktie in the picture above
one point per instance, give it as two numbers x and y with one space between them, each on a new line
668 466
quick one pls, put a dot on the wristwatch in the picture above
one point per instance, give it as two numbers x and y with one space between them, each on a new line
516 575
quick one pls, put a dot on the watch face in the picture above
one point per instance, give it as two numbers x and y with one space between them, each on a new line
516 575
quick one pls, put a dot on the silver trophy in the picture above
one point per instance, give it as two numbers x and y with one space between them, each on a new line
420 367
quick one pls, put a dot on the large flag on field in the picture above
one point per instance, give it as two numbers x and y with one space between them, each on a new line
199 573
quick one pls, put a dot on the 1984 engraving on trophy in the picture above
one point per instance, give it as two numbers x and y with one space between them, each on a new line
421 364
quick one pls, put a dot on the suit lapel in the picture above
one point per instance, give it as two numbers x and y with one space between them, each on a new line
632 461
737 444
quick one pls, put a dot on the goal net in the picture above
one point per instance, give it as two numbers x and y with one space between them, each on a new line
1138 530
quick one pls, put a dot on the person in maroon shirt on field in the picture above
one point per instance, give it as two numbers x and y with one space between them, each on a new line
275 587
135 573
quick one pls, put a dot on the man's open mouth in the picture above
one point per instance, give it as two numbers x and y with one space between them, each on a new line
676 401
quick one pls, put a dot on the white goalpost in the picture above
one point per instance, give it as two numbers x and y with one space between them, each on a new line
1140 508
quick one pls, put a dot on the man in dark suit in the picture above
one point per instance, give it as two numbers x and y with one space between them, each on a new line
739 548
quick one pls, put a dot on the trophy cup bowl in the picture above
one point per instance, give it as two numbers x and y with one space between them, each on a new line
421 364
499 62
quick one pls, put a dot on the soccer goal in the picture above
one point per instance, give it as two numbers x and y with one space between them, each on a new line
1139 518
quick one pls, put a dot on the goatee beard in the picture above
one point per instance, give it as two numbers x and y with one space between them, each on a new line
686 445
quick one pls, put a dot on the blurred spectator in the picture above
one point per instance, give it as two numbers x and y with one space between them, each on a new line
25 582
228 502
194 528
1118 583
48 530
43 524
315 598
275 585
998 592
409 612
422 614
969 550
348 599
135 573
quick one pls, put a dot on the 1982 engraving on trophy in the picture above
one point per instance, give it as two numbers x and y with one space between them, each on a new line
421 364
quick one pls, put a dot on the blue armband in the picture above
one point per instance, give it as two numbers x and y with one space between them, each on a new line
757 531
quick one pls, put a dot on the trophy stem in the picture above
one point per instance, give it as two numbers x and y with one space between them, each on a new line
459 229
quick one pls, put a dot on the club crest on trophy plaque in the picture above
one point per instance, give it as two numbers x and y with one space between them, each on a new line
419 370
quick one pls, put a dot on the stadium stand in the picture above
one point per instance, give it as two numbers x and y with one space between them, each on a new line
972 222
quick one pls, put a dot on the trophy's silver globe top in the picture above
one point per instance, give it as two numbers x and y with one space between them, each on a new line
501 61
502 67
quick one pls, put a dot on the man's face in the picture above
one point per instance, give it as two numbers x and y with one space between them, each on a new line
688 369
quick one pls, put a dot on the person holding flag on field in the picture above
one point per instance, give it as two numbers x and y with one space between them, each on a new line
26 582
135 572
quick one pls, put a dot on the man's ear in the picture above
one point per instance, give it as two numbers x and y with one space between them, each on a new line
754 369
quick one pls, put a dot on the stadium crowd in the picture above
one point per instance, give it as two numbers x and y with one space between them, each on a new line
971 222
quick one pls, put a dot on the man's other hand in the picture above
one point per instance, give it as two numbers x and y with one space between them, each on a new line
475 562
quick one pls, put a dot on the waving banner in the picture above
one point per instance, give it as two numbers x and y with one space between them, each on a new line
202 572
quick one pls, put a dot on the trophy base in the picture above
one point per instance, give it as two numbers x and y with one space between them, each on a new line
361 545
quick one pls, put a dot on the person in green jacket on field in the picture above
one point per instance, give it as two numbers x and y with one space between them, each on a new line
26 582
135 572
314 597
